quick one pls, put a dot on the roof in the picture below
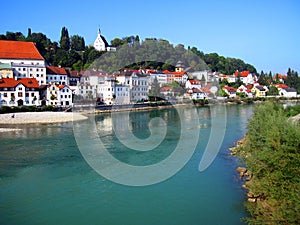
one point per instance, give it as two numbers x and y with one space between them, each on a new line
175 73
12 82
230 89
283 86
242 74
56 70
19 50
290 89
195 82
260 88
166 89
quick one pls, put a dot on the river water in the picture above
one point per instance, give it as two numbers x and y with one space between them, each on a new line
44 178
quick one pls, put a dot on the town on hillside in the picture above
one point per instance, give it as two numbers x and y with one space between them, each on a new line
27 80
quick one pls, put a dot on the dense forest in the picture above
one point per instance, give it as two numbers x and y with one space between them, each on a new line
72 52
272 153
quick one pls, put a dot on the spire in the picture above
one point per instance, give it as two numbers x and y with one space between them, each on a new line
99 31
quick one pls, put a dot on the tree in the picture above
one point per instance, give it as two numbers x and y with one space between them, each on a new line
77 43
64 39
117 42
273 91
155 89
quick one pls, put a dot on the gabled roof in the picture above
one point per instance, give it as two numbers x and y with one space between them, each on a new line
55 70
12 82
230 89
282 86
19 50
260 88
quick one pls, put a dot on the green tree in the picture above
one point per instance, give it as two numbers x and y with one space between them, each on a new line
64 39
117 42
273 91
77 43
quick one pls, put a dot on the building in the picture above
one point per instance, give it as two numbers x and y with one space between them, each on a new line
56 75
25 60
259 91
6 70
288 92
18 92
230 91
59 95
138 84
190 84
100 44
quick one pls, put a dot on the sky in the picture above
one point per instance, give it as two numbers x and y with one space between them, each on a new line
264 33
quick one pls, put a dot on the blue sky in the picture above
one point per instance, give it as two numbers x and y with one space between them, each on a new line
264 33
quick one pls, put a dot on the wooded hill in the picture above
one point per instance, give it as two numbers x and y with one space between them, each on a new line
72 52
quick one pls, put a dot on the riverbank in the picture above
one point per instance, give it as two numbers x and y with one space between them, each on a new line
270 153
40 117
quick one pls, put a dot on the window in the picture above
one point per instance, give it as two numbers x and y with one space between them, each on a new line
37 69
20 88
37 75
32 94
42 70
65 96
26 95
30 69
20 94
61 96
5 94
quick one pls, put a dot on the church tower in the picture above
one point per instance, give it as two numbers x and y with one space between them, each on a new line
100 43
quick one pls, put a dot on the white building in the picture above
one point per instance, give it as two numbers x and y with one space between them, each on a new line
122 93
25 59
59 95
56 75
100 44
190 84
288 92
161 78
106 91
18 92
138 84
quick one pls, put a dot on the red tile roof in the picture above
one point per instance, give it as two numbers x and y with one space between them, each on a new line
56 70
12 82
19 50
283 86
175 73
242 74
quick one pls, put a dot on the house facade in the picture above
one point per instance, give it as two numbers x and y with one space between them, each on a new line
18 92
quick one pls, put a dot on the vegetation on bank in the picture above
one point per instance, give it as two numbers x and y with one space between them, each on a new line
271 151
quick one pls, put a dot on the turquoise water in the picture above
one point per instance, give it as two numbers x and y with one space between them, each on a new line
45 180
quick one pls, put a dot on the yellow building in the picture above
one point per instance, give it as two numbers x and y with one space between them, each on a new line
6 70
259 91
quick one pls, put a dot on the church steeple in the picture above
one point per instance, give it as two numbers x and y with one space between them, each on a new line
99 31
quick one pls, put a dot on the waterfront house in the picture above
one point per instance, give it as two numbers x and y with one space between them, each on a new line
25 59
246 90
59 95
288 92
259 91
138 84
230 91
18 92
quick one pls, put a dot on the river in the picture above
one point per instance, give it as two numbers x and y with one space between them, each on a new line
45 179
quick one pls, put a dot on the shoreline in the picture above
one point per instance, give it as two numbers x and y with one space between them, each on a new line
39 118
